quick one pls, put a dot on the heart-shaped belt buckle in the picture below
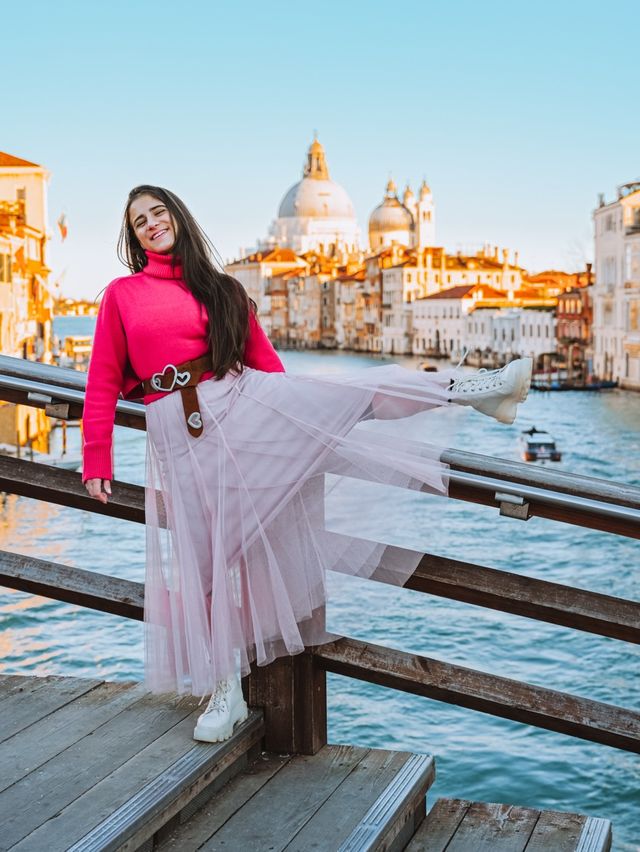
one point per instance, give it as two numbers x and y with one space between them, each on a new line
179 379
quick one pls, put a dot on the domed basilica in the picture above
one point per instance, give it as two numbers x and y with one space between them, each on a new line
316 214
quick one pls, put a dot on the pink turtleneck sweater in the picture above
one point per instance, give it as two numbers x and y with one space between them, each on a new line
146 321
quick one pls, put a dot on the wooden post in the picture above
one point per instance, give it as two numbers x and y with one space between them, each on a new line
292 693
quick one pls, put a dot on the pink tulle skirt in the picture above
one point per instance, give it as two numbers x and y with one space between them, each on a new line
237 549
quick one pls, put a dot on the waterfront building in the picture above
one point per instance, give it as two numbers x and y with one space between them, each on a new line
500 334
574 332
256 269
616 292
67 307
26 303
439 328
433 272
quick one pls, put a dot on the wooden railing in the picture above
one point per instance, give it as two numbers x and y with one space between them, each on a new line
292 691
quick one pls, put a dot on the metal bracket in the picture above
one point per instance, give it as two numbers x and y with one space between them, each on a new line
32 396
52 407
513 506
57 409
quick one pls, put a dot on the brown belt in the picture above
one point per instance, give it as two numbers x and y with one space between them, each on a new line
182 377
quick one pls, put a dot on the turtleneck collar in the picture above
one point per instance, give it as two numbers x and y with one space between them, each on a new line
162 266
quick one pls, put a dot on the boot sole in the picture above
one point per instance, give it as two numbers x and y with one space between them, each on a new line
201 734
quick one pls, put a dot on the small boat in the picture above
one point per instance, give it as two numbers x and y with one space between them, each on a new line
427 367
538 445
563 385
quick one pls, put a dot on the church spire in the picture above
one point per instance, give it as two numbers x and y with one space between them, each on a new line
316 165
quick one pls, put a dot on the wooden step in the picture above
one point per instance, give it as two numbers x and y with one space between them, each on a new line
92 765
461 826
342 798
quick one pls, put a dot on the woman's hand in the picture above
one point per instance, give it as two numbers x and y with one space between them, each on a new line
99 489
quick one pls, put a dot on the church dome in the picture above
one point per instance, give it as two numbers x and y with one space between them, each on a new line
316 195
391 215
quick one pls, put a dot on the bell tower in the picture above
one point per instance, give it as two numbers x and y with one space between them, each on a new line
425 218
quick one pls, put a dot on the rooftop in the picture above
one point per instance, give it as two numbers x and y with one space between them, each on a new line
7 160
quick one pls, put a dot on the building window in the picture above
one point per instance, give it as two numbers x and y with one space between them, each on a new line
21 194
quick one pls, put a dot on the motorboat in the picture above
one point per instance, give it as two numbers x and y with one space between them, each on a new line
538 445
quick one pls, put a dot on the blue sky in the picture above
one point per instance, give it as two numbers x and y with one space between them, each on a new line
517 114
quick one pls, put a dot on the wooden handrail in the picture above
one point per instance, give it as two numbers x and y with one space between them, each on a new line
498 696
541 600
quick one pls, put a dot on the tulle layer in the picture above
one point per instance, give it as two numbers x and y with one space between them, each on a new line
237 550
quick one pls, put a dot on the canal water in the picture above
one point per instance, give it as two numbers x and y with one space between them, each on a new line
478 756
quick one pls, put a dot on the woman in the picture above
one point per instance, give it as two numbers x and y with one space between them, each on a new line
237 458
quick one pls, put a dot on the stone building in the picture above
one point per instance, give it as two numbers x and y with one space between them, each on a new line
574 332
26 303
616 291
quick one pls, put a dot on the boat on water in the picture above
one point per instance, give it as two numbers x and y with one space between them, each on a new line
427 367
538 445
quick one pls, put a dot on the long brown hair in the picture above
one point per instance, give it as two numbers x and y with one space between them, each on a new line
225 299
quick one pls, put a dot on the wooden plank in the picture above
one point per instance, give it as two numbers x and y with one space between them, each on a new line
440 825
233 796
494 827
552 602
556 830
72 585
582 610
31 748
344 808
132 803
277 812
65 488
12 685
40 795
48 694
499 696
292 694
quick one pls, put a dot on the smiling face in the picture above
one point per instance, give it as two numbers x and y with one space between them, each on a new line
152 224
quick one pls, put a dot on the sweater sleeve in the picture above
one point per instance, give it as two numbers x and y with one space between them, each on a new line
104 383
259 352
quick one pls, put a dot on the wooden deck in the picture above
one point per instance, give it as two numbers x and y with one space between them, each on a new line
456 825
88 765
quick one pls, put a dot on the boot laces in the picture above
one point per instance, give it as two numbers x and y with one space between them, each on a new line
483 380
218 701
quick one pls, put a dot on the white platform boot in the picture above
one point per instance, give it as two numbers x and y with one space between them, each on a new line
226 707
495 393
